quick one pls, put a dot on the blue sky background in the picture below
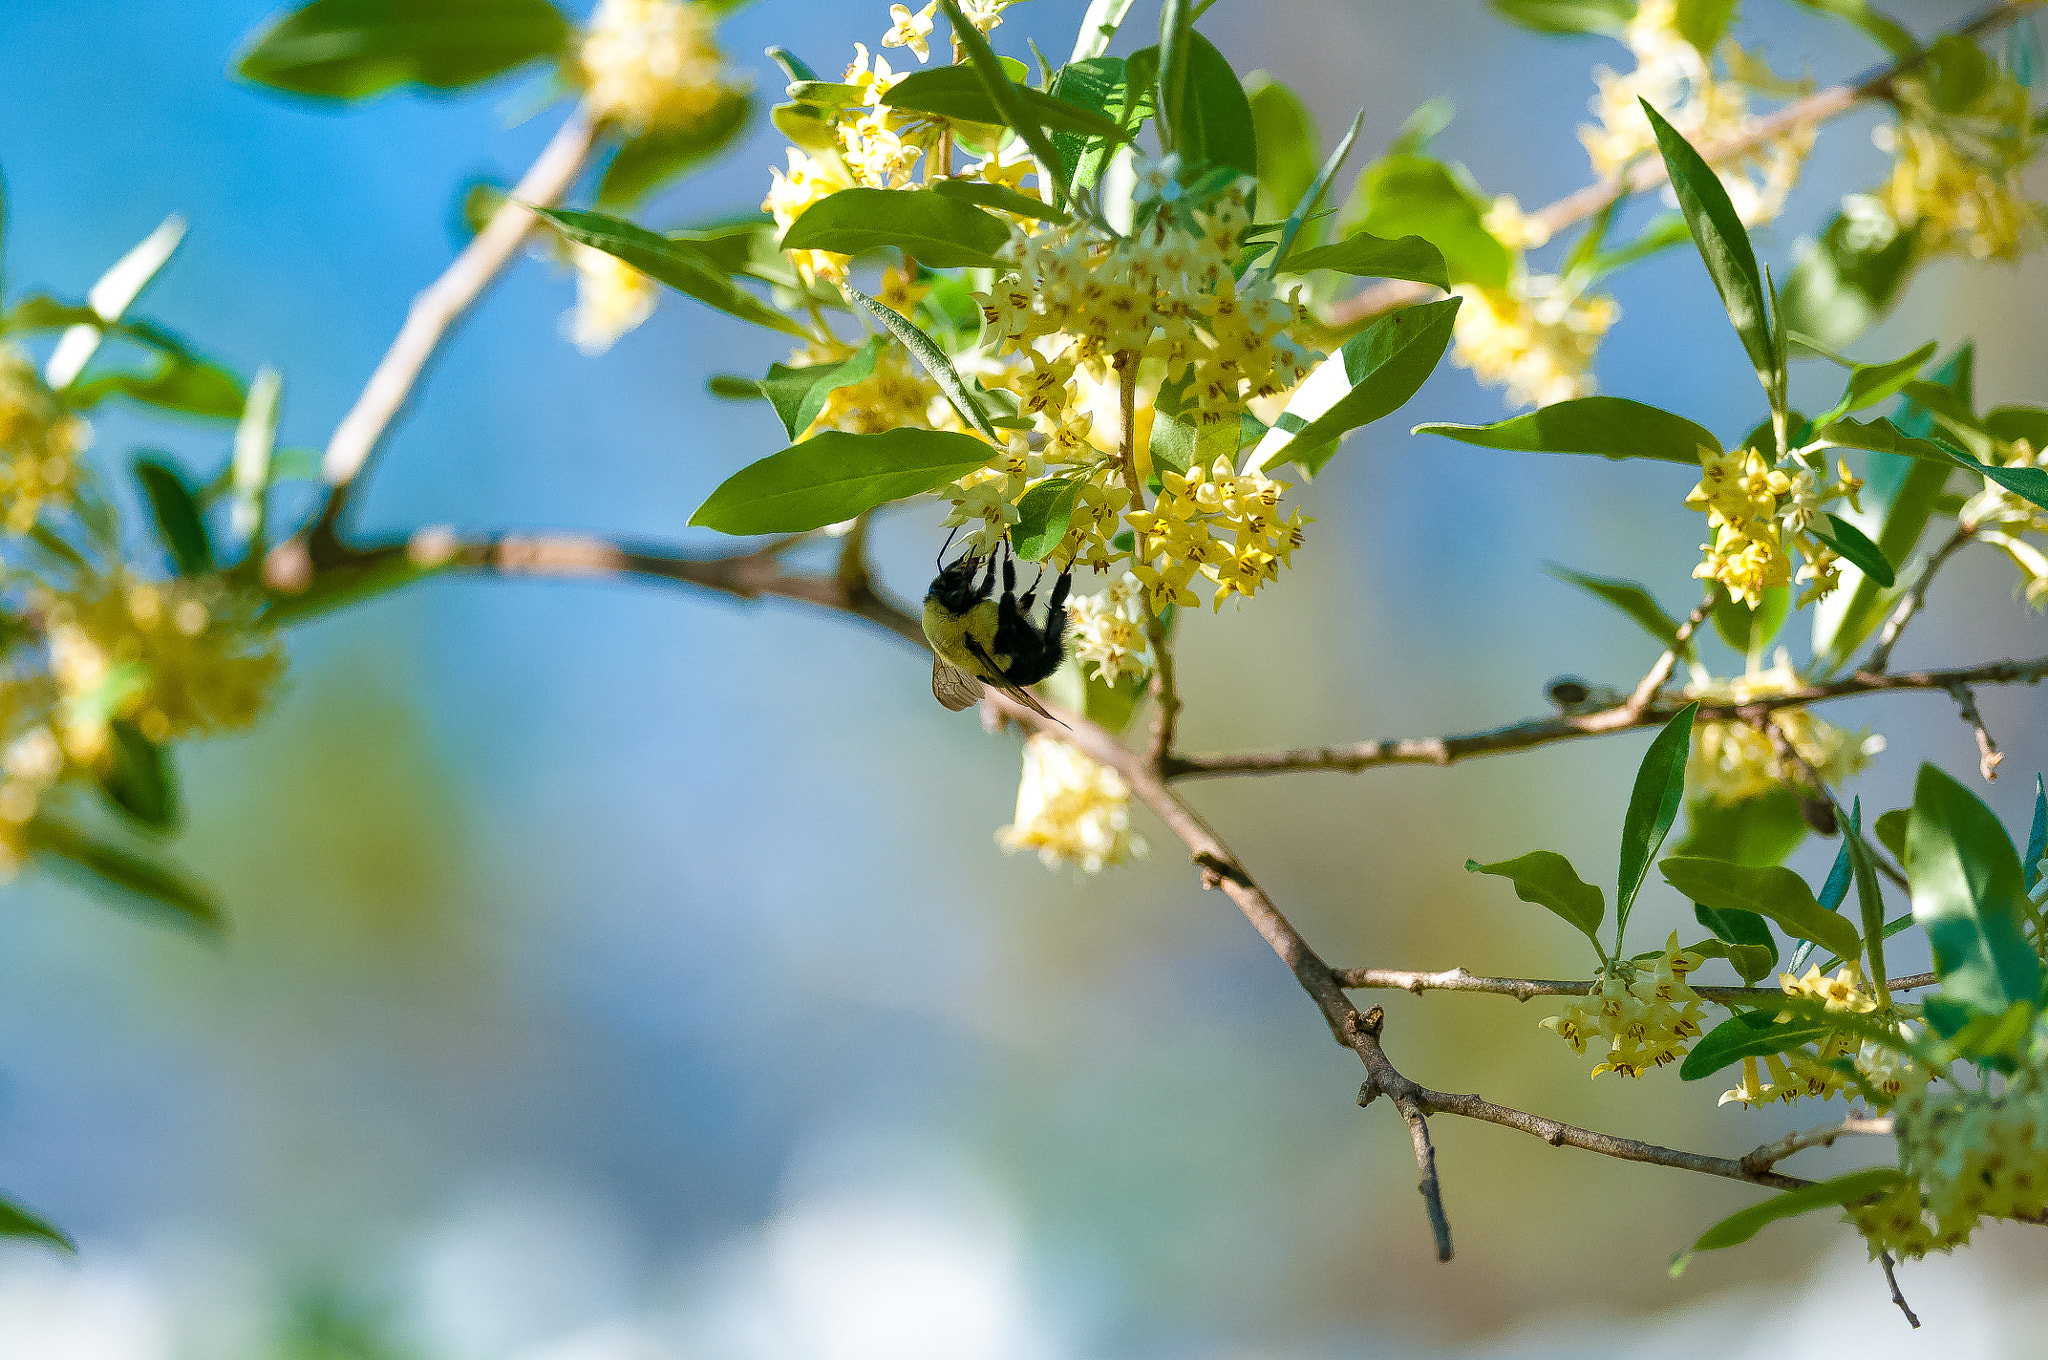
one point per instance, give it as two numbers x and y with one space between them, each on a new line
622 972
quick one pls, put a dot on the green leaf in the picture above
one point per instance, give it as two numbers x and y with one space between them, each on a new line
1663 232
1881 30
1847 282
1630 598
799 394
1751 947
1853 1188
1171 70
186 385
1751 1034
1612 427
1016 105
2014 423
1548 879
1652 808
2028 483
1891 828
1287 146
1775 892
352 49
1104 86
2037 836
1413 195
834 476
1703 23
1850 544
1869 894
1956 73
138 779
999 197
1722 242
683 265
1757 832
1098 28
1750 631
1969 895
1043 516
179 522
959 93
1178 445
16 1221
1870 384
1212 123
1374 373
104 867
936 229
645 163
1567 16
927 353
1367 256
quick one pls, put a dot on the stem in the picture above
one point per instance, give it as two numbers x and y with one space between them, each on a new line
1522 989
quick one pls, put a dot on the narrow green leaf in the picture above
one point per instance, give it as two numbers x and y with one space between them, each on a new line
1017 111
1664 231
1775 892
1172 52
1853 1188
2028 483
1969 895
138 779
1652 808
645 163
834 476
683 265
2037 836
1628 597
1043 516
180 524
1368 256
1567 16
1869 894
1891 830
1548 879
130 877
960 94
1098 27
1747 937
1612 427
16 1221
1888 34
927 352
1374 373
186 385
352 49
1751 1034
1870 384
1849 543
1722 242
1757 832
799 394
792 65
1000 198
936 229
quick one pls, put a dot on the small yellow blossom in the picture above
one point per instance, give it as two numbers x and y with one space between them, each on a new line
911 30
1531 338
1644 1012
1071 810
1107 630
40 444
651 65
1756 510
612 298
1732 762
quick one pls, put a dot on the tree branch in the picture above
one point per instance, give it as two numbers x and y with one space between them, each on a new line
1770 1154
1522 989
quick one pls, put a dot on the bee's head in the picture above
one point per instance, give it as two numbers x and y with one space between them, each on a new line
953 589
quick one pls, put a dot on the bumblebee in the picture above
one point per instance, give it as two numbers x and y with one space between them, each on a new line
980 641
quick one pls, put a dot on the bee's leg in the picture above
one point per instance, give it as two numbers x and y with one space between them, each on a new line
1024 603
1056 614
984 587
1014 632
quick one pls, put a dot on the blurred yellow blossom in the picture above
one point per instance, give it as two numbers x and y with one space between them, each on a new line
1531 337
1732 762
40 444
612 298
1071 810
652 66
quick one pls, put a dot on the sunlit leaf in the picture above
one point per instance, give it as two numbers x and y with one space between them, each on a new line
1548 879
1746 936
351 49
1652 808
1368 256
799 394
834 476
1775 892
645 163
1969 895
1567 16
1723 243
1612 427
682 265
1374 373
1627 596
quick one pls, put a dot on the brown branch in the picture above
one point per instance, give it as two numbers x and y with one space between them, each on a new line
1770 1154
1536 732
1646 692
1988 757
433 314
1522 989
1650 172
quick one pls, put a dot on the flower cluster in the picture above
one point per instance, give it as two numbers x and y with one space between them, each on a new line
1532 337
1809 1069
40 444
1756 509
652 66
914 31
1181 534
1071 810
1107 631
1733 762
1956 175
1968 1155
1705 108
1645 1011
1999 518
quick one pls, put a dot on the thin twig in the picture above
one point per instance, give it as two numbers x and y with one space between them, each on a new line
1522 989
1535 732
433 314
1988 757
1770 1154
1646 692
1881 654
1893 1280
1649 172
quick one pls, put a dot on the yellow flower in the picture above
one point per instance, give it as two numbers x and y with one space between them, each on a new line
1644 1012
651 65
40 444
612 298
810 180
1071 810
1108 630
1732 762
911 30
1531 338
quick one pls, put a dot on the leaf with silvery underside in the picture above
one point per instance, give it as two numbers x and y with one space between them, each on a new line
1652 808
1611 427
1723 243
1374 373
683 265
1969 894
1775 892
934 228
1044 514
927 353
834 476
352 49
1630 598
1853 1188
1548 880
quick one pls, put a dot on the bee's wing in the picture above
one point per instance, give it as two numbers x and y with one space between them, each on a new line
1014 691
953 687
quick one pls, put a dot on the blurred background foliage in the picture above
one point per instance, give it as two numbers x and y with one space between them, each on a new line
616 972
